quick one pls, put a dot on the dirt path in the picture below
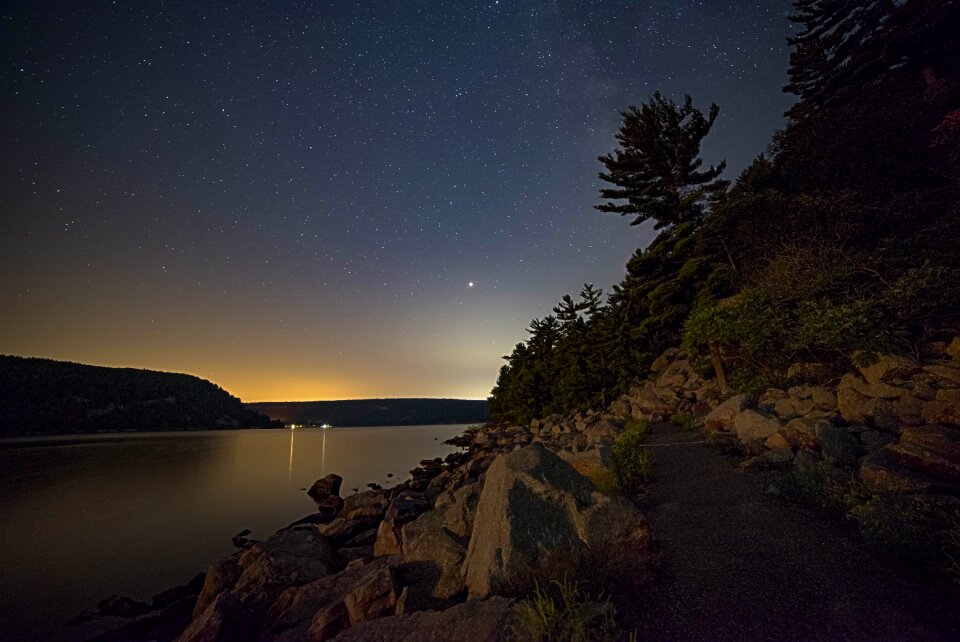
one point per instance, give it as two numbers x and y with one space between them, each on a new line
738 565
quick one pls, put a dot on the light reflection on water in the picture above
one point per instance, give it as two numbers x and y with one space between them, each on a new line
92 516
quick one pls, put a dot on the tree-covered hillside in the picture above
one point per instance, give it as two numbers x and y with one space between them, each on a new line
376 412
42 396
839 241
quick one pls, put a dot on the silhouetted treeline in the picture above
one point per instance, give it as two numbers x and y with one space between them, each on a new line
42 396
376 412
840 241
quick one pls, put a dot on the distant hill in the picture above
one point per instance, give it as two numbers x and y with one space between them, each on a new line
42 396
376 412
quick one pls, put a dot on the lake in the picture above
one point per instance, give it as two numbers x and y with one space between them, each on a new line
89 516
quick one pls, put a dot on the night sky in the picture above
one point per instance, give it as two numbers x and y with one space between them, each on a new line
292 199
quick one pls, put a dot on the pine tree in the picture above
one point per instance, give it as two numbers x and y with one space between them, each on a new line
656 169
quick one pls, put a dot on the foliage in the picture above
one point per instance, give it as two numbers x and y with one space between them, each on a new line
605 480
656 169
683 420
839 240
632 462
41 396
562 612
905 526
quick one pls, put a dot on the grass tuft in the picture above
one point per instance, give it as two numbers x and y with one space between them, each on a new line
563 612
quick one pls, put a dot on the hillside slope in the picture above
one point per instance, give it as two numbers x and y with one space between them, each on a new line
43 396
376 412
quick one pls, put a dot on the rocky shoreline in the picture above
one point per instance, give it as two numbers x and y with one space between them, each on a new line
455 547
452 548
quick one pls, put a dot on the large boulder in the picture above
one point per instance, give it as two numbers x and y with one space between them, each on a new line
401 510
243 588
888 366
361 512
325 487
491 620
293 612
537 515
752 426
435 546
588 462
721 417
837 444
934 450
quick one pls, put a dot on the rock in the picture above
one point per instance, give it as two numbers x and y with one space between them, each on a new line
888 366
326 486
945 373
803 432
292 613
240 539
778 457
589 461
934 450
459 508
535 511
122 606
942 412
177 593
837 444
812 372
721 417
873 440
880 470
859 408
489 620
953 349
823 399
239 591
361 512
328 508
433 556
751 426
777 440
220 576
375 596
401 510
224 620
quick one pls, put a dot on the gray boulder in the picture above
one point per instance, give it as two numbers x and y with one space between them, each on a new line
537 515
721 417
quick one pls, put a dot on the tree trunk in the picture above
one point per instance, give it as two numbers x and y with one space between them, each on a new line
718 369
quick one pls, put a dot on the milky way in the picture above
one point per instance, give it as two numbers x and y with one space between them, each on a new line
314 200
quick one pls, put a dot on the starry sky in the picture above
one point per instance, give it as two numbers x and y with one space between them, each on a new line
293 198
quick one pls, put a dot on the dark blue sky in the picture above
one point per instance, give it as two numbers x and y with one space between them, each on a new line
292 198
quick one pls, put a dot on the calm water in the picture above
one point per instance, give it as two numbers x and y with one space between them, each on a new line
97 515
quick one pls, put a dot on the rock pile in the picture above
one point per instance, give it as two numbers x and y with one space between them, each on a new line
452 547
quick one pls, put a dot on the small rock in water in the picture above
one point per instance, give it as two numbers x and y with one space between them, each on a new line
374 486
356 490
389 474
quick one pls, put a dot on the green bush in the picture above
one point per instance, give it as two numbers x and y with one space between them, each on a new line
632 462
563 612
683 420
605 480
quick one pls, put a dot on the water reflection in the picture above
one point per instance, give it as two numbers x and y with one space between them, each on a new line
134 514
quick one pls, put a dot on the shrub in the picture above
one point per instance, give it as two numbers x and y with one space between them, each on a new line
563 612
632 462
605 480
683 420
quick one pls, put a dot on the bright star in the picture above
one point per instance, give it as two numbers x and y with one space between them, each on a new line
470 285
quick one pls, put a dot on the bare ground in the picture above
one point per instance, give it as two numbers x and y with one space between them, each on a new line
738 565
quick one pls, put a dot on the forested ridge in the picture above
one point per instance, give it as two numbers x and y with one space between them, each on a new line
376 412
43 396
838 242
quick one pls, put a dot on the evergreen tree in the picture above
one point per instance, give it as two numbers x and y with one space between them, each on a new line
656 169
